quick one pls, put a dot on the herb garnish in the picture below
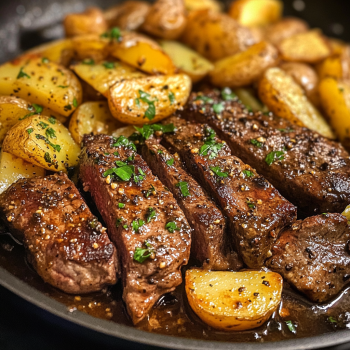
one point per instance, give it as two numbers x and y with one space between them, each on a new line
140 177
30 130
291 326
37 110
205 99
141 254
150 191
151 214
67 108
50 133
43 125
45 60
227 94
47 157
218 172
136 224
184 188
151 110
148 130
274 156
123 141
286 130
108 65
75 102
332 320
113 34
210 145
125 172
118 222
218 107
52 120
171 227
121 205
172 98
22 74
250 204
88 61
248 173
63 86
55 147
170 162
256 143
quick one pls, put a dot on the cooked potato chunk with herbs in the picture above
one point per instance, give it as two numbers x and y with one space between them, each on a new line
92 117
142 53
233 301
252 13
41 82
213 5
129 15
44 142
166 19
148 100
284 97
187 60
104 75
216 35
309 47
91 21
245 67
335 100
91 47
13 168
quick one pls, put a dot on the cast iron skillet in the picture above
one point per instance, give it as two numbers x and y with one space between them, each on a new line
26 23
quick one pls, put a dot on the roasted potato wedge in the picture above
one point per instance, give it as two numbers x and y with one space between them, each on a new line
233 301
142 53
92 117
46 84
104 75
148 100
44 142
129 15
285 28
13 168
336 66
192 5
187 60
91 47
125 131
216 35
166 19
284 97
309 47
91 21
335 100
247 97
245 67
254 13
306 77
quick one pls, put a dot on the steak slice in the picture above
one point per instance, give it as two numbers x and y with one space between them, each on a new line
65 243
313 256
256 213
138 212
308 169
209 241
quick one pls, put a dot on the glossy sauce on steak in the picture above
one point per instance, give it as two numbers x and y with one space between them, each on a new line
313 256
308 169
139 212
256 213
210 245
65 243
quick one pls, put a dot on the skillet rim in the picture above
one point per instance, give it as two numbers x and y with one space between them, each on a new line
112 329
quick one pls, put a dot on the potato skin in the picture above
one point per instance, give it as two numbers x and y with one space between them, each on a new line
233 301
129 15
245 67
91 21
285 98
126 106
166 19
216 35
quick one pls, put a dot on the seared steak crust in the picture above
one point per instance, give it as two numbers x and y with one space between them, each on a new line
256 213
65 243
314 174
313 256
122 203
209 241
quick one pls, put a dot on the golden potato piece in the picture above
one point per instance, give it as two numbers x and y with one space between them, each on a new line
253 13
285 28
125 131
336 66
148 100
91 47
245 67
129 15
166 19
13 168
91 21
44 142
92 117
41 82
309 47
187 60
306 77
216 35
104 75
142 53
335 100
192 5
285 98
346 213
233 301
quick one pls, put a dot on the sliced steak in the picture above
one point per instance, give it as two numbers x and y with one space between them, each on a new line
209 241
256 213
313 256
138 212
308 169
65 243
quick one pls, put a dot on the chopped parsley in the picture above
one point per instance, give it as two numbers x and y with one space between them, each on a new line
291 326
210 145
136 224
30 130
151 110
45 60
121 205
141 254
43 125
184 188
75 102
256 143
274 156
108 65
171 227
63 86
47 157
50 133
67 108
286 130
227 94
88 61
160 151
205 99
150 191
151 214
113 34
172 98
118 222
131 158
124 173
170 162
123 141
218 107
55 147
250 204
148 130
332 320
52 120
140 177
218 172
248 173
22 74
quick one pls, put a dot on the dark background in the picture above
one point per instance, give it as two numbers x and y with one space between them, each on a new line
24 24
